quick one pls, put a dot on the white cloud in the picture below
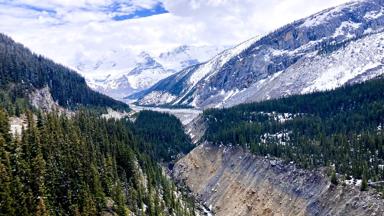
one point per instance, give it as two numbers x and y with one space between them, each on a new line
54 4
247 16
85 28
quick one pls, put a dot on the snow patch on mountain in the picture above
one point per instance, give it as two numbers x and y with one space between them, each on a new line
119 73
219 61
205 70
185 56
341 45
374 14
158 98
327 15
359 61
344 29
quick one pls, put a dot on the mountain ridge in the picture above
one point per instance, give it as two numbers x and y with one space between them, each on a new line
23 72
128 73
296 56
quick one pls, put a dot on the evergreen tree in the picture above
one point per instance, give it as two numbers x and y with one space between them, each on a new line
6 198
334 178
364 184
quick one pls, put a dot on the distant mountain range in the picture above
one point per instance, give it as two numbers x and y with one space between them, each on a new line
341 45
120 73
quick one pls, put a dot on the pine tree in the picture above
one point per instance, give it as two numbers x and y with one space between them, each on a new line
364 184
41 209
334 178
20 205
6 198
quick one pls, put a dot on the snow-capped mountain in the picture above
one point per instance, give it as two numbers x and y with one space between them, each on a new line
119 73
185 56
337 46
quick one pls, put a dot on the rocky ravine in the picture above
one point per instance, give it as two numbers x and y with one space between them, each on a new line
231 181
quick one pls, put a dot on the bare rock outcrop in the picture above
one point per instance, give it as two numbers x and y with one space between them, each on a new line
42 99
231 181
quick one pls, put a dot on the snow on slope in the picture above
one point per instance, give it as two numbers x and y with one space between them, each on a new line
324 51
358 61
204 71
119 73
185 56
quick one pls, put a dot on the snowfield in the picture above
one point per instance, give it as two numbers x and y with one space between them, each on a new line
120 73
338 46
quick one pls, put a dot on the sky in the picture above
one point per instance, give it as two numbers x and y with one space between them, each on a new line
66 30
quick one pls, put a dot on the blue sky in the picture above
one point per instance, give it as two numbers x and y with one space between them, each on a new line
116 10
66 30
142 12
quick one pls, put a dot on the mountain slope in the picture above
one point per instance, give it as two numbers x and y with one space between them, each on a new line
314 154
341 127
22 72
231 181
125 78
336 46
122 72
176 84
86 165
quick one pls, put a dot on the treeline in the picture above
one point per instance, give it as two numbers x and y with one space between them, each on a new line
83 165
343 127
21 71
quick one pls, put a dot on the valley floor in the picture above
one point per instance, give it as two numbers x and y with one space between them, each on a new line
185 115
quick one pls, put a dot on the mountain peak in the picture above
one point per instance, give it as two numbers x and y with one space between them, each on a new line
326 50
144 55
130 73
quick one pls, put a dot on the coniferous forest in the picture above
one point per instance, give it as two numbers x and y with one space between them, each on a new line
163 130
343 127
21 72
80 164
84 165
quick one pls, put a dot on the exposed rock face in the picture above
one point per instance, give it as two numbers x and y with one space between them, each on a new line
196 129
334 47
43 100
232 182
17 124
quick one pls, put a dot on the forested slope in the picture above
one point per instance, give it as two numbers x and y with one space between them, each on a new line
343 127
82 164
85 165
164 135
21 72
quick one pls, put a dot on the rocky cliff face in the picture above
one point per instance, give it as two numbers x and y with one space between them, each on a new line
230 181
329 49
42 99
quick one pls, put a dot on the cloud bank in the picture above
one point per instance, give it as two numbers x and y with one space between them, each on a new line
68 29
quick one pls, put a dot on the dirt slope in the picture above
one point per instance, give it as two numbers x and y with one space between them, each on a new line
231 181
